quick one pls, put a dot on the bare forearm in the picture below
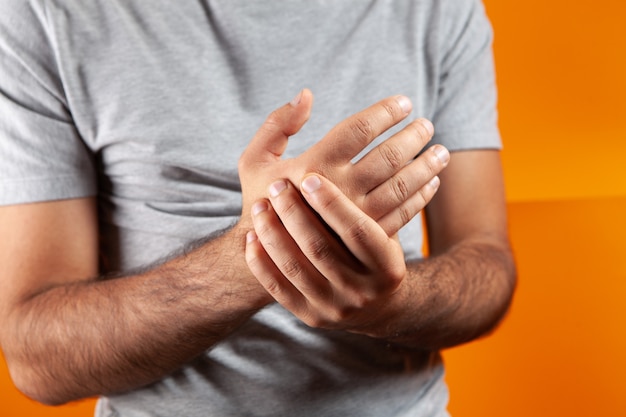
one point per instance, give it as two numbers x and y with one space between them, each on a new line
452 298
88 338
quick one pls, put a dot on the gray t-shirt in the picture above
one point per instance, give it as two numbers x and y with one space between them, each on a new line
148 105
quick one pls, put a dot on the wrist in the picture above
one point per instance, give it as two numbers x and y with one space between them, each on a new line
383 322
248 286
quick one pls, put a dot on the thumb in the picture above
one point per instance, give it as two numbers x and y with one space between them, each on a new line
271 139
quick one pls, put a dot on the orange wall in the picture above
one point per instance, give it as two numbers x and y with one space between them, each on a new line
561 350
562 79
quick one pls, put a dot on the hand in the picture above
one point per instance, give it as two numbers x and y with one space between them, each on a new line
388 184
346 278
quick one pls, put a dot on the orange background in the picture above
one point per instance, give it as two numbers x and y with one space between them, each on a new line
562 349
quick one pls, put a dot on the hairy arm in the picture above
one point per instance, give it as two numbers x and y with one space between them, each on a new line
465 287
67 334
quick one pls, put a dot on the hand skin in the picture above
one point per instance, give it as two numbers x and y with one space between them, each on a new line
68 334
389 183
356 278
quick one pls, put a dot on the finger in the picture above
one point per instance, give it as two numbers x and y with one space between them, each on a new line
268 275
270 141
395 220
402 186
317 242
392 155
322 289
288 258
363 237
352 135
339 284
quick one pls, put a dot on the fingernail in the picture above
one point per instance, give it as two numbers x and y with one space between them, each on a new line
250 236
428 126
259 207
434 182
296 99
442 153
311 183
277 188
405 104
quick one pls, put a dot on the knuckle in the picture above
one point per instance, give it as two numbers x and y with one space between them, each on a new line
263 231
286 208
273 119
338 314
405 214
376 207
358 231
400 188
360 301
318 250
271 125
291 268
342 314
329 203
422 198
273 288
313 320
418 134
392 155
395 274
392 109
390 224
363 128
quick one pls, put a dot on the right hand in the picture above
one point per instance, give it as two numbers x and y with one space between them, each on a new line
389 183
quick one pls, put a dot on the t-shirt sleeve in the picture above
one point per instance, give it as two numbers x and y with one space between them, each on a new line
466 111
42 156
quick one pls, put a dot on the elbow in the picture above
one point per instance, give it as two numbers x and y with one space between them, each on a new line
35 372
502 298
509 273
501 279
35 387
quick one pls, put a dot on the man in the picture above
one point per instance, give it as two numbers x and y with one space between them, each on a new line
125 138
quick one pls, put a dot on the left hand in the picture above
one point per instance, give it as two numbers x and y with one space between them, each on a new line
336 272
390 183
